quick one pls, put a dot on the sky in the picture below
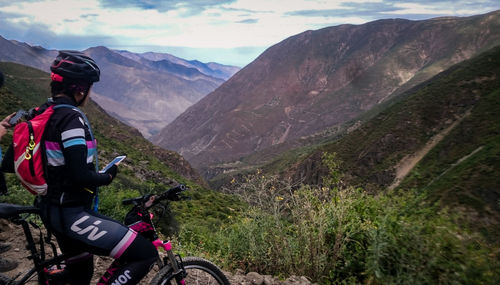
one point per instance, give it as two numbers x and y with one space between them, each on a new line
232 32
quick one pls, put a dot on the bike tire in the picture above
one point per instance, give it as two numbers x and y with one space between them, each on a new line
199 270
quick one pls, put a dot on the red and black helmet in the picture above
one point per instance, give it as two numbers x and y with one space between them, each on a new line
74 65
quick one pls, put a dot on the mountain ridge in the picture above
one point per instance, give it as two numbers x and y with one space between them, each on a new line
142 93
211 68
321 79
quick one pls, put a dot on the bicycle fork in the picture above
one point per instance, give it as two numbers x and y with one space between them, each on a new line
173 260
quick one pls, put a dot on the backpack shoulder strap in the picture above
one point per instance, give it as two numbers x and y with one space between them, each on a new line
59 106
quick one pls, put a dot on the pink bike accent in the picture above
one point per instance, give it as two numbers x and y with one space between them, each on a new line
166 246
141 227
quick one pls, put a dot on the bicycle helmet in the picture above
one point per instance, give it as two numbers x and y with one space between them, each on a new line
74 65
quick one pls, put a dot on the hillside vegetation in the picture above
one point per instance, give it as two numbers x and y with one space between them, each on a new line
147 168
338 234
437 147
349 229
449 122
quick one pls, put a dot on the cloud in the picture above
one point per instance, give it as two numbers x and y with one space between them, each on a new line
410 9
213 25
89 16
189 7
4 3
42 35
248 21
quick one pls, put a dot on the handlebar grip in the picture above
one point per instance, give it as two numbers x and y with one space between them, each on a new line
135 200
180 188
177 189
172 193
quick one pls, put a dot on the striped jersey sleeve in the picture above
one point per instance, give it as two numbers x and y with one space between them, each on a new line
69 131
73 132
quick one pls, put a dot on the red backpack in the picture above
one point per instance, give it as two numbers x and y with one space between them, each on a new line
29 151
30 157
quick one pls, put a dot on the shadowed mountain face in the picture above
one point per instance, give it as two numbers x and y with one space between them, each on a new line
320 79
146 91
25 54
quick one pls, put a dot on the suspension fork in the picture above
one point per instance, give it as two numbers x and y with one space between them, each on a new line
178 271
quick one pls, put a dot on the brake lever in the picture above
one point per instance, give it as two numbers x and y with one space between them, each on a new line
150 201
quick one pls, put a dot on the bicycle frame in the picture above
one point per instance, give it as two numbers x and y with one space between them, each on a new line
172 260
40 264
142 224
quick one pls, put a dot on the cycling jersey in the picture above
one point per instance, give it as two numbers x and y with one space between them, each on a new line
71 176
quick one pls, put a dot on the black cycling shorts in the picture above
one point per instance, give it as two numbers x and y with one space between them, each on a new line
81 230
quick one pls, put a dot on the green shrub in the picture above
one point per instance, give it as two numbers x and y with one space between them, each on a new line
345 235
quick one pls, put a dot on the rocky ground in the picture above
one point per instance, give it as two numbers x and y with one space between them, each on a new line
13 235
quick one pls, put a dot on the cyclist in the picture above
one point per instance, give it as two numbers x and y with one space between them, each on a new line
72 182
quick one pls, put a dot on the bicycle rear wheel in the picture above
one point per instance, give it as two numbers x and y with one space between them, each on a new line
199 271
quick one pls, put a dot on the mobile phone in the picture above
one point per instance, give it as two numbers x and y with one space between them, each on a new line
116 160
13 121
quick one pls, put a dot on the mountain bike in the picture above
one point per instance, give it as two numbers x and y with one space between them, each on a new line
173 269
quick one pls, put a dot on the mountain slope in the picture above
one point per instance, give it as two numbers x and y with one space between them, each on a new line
442 137
25 54
147 168
212 69
143 93
28 87
321 79
141 96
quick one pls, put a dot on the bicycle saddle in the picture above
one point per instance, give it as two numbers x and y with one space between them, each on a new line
12 210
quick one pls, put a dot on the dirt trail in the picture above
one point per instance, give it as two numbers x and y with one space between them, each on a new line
408 162
14 235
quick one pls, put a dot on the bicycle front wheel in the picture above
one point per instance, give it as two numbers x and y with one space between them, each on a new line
199 271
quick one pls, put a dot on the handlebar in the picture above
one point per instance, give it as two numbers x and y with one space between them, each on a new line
172 194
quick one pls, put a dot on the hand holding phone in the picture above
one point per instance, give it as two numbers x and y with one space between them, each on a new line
115 161
13 121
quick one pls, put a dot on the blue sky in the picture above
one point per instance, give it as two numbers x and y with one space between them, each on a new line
225 31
